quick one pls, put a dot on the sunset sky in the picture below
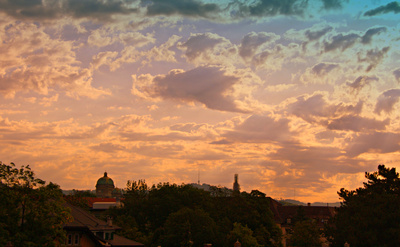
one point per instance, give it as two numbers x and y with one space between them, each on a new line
299 98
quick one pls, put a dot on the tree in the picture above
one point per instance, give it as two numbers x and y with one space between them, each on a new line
150 212
189 227
369 215
305 234
32 213
243 234
305 231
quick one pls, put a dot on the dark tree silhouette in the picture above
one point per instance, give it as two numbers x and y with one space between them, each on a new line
31 212
369 215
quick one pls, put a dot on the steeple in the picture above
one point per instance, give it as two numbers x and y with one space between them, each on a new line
236 186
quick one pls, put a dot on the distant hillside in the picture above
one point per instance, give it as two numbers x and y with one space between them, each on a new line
291 202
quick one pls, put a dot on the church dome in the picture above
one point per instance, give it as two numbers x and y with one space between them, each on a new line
105 180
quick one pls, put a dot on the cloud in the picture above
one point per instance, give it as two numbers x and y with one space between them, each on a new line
186 127
396 74
254 42
373 57
34 61
221 142
387 100
312 35
323 68
211 86
362 81
315 108
53 9
265 8
333 4
106 36
367 37
108 147
297 170
260 129
377 142
357 123
207 48
187 8
341 42
390 7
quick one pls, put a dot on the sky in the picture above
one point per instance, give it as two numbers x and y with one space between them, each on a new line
300 98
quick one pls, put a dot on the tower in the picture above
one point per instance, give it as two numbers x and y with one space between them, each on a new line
104 186
236 186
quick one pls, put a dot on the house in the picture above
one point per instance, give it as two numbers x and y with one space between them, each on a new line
86 231
285 217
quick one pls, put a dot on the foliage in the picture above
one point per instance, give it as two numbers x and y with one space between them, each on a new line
189 227
31 212
369 215
162 214
305 234
243 234
80 198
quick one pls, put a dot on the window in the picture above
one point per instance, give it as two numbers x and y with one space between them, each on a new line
76 239
107 236
100 234
69 239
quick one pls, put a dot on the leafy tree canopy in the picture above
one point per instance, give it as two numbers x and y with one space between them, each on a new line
162 214
369 215
31 212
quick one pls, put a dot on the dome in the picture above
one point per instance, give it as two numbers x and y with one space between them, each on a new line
105 180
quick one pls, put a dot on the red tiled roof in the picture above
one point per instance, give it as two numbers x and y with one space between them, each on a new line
92 200
84 220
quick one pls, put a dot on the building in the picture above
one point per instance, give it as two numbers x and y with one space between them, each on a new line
236 186
285 217
88 231
104 186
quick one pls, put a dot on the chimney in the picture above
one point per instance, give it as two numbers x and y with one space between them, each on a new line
237 244
109 221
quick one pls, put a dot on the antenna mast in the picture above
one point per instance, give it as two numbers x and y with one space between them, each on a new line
198 175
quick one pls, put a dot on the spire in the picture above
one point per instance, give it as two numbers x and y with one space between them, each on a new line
236 186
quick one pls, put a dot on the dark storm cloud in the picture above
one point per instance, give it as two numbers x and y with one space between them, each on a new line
323 68
341 42
52 9
362 81
357 123
387 100
390 7
189 8
367 37
377 142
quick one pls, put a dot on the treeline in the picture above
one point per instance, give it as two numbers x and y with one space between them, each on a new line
181 215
